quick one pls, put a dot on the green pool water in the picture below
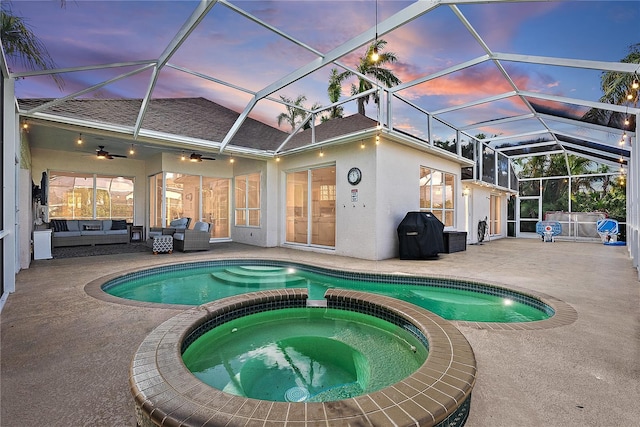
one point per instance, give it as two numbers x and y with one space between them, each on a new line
301 354
199 285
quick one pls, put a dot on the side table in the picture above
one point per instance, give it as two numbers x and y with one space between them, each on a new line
136 233
42 244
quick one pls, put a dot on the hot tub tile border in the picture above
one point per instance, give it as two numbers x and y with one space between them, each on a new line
181 387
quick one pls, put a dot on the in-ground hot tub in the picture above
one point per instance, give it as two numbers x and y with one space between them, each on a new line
438 392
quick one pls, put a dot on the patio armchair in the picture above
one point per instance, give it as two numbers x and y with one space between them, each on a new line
176 225
196 239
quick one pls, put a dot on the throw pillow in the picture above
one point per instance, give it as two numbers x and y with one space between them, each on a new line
178 223
91 227
59 224
119 224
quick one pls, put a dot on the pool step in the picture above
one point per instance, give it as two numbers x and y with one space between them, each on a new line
236 277
256 270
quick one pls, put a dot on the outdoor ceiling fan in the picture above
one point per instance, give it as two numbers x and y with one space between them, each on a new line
101 153
195 157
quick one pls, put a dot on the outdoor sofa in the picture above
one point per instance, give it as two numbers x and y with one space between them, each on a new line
80 232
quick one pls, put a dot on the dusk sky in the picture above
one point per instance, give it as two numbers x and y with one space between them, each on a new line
236 50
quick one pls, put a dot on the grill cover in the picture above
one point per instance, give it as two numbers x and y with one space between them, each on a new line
420 235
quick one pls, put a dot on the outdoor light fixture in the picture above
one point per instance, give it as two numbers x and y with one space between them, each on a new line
232 160
183 157
361 144
131 150
80 139
277 158
377 139
375 56
321 153
635 84
25 124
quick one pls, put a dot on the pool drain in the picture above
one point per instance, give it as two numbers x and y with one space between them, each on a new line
296 394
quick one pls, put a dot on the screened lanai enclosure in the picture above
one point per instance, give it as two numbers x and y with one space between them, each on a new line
540 98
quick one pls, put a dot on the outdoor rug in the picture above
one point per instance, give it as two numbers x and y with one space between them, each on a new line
83 251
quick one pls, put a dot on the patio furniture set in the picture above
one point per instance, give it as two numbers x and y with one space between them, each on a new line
180 237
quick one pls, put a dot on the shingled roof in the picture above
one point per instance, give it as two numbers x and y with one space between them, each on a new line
191 117
197 118
332 129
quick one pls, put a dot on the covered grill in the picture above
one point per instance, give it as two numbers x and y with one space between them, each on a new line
420 235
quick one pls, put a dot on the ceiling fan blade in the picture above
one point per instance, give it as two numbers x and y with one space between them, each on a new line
118 155
207 158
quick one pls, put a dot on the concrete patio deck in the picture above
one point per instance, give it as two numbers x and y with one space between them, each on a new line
65 355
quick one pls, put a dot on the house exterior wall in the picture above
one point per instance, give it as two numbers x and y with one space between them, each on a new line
355 219
367 214
398 191
366 227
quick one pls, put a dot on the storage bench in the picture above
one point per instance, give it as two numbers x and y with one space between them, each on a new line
455 241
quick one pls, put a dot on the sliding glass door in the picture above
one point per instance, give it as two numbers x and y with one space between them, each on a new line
311 202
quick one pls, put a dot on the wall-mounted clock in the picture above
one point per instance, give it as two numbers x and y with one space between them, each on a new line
354 176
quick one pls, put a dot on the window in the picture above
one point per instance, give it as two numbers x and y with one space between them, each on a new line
197 197
247 191
437 194
90 196
495 215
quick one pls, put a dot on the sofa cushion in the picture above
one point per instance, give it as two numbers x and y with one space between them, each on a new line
178 236
92 233
59 225
113 232
67 233
73 225
119 224
106 224
179 223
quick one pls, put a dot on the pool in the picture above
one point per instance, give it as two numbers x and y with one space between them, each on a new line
201 282
436 393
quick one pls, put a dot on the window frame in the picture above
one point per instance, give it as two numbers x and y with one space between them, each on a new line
245 208
446 199
94 197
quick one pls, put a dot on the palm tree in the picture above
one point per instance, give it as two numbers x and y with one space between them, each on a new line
20 42
615 87
334 91
374 69
295 111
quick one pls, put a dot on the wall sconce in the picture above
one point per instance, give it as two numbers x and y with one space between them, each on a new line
466 191
25 125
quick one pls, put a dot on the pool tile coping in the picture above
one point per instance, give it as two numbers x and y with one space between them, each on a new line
167 393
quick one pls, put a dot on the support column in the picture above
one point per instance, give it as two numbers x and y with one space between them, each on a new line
10 135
